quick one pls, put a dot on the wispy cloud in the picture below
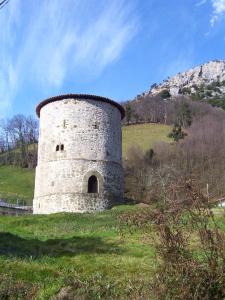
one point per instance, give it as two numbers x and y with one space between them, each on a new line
8 78
45 42
200 3
218 11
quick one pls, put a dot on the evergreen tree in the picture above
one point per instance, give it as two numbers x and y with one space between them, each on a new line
165 94
129 112
184 116
177 133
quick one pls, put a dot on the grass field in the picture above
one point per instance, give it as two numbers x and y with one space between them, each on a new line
144 135
17 183
86 253
91 253
45 253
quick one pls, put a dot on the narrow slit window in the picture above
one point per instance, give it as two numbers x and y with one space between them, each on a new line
62 147
93 184
57 148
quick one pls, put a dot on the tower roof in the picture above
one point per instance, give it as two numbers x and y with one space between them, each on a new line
81 97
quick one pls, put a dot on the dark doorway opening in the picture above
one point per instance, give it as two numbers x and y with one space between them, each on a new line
93 184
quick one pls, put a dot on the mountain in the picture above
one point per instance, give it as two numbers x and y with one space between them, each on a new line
210 74
204 84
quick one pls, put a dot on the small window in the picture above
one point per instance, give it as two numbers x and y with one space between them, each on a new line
96 125
64 124
62 147
93 184
57 148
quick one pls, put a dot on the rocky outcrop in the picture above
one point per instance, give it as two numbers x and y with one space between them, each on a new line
190 81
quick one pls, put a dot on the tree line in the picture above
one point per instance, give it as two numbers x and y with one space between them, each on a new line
158 109
18 141
199 155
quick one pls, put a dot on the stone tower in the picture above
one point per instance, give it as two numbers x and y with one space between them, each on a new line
79 154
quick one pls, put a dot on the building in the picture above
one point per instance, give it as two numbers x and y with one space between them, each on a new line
79 154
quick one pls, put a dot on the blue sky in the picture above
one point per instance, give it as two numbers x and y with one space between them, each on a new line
105 47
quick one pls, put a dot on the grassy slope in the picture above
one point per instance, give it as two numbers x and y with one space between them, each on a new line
144 135
19 183
44 251
16 183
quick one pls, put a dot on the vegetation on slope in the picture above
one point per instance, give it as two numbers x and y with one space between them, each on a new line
212 93
144 135
16 183
17 134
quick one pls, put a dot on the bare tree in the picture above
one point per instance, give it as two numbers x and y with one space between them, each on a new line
18 139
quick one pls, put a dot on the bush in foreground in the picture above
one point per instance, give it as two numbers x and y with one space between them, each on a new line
189 244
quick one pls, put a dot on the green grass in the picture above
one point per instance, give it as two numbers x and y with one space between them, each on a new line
89 252
16 183
41 254
46 253
144 135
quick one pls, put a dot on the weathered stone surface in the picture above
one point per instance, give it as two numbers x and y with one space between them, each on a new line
203 74
89 132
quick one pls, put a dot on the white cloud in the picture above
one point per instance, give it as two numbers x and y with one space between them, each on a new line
218 11
105 39
44 42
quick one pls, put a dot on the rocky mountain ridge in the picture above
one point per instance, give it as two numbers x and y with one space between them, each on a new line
190 81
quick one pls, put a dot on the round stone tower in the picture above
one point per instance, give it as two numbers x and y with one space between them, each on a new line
79 154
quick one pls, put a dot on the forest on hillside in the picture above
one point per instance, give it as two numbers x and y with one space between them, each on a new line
196 150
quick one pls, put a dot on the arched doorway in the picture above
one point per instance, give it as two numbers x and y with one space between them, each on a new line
93 184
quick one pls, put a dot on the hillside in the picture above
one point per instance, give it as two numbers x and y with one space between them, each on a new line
144 135
204 83
18 183
193 79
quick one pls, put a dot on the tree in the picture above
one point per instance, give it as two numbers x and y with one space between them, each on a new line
165 94
154 85
184 115
129 112
177 133
5 138
19 133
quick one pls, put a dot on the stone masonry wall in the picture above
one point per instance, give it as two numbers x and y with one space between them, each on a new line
90 132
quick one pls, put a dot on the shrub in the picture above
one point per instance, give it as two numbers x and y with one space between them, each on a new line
165 94
190 247
11 289
217 102
177 133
